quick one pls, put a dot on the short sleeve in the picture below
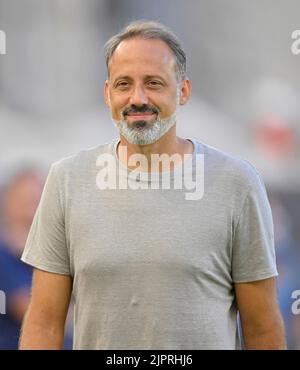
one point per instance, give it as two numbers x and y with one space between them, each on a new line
253 254
46 247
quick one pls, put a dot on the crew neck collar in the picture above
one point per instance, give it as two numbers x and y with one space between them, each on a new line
188 162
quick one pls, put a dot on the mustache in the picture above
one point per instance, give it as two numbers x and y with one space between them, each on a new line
142 109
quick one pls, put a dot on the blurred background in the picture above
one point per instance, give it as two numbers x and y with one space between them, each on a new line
246 89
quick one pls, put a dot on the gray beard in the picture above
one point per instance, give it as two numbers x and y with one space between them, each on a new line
144 132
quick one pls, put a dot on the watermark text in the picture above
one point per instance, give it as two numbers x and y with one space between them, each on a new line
295 48
2 303
187 175
296 303
2 42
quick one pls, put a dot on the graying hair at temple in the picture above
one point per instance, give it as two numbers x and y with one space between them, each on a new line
149 30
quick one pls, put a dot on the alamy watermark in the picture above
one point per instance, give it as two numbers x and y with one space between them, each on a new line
296 303
295 48
187 176
2 303
2 42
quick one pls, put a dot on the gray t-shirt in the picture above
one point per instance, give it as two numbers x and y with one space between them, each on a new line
152 269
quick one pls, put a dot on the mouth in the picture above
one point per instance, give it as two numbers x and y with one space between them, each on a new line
140 116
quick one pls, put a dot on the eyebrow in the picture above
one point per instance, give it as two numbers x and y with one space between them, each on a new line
147 77
122 78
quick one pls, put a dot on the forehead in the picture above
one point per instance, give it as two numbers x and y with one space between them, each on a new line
136 54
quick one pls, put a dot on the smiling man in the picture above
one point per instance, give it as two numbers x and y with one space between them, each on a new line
148 268
149 112
146 84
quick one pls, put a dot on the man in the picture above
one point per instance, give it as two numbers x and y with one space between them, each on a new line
149 267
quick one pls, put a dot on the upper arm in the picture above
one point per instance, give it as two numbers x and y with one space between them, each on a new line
50 298
258 307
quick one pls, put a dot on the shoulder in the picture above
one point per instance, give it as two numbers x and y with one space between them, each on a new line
228 169
81 162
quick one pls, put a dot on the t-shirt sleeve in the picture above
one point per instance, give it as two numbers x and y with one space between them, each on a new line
46 246
253 254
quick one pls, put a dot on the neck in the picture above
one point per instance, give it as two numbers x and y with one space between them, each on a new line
169 144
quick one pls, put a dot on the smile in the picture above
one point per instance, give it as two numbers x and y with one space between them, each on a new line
140 116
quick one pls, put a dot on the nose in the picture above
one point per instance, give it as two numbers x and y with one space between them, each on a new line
138 96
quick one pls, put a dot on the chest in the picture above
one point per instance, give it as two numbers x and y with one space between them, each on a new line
114 230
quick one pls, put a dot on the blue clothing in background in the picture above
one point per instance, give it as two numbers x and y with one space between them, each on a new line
14 276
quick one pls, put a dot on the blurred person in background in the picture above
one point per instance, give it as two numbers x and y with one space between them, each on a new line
19 202
288 262
20 198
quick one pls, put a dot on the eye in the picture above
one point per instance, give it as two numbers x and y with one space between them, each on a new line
154 83
122 85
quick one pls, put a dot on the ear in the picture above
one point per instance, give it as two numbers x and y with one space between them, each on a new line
185 91
106 93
